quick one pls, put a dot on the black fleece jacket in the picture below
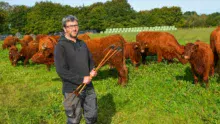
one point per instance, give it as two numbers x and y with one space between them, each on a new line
73 61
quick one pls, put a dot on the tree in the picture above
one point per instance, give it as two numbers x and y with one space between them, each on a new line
97 17
2 20
45 17
213 19
120 14
5 6
18 18
4 10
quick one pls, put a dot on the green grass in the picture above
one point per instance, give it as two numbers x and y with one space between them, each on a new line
157 93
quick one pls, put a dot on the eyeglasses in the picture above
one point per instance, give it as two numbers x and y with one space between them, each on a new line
72 26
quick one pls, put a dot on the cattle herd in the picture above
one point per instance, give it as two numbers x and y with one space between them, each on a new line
202 57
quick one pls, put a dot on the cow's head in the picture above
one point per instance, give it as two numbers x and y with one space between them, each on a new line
137 53
40 58
189 49
143 46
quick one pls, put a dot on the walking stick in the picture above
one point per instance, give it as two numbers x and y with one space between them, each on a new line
105 59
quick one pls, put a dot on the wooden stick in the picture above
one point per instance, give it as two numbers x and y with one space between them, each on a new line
99 68
104 58
101 64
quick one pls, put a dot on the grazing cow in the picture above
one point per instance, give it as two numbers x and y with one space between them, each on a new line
83 36
26 39
163 44
215 44
14 55
28 51
56 37
45 54
99 48
201 59
9 41
132 52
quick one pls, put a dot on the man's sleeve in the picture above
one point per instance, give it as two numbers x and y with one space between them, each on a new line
62 67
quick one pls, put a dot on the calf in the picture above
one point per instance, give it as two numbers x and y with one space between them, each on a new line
14 55
201 59
132 52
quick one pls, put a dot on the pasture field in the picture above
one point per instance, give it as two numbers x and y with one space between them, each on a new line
157 93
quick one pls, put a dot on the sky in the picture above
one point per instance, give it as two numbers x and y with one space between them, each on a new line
200 6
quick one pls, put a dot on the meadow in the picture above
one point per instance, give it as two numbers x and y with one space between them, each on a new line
156 93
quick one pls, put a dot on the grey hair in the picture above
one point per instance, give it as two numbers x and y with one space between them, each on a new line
67 19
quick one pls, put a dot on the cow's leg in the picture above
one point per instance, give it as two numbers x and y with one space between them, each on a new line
143 58
206 75
216 58
48 67
212 71
25 61
159 56
206 80
195 79
194 75
122 74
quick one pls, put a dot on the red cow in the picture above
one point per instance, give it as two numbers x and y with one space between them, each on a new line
163 44
45 53
215 44
132 52
201 59
28 51
14 55
98 47
9 41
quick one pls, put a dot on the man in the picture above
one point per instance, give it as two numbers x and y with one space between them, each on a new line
74 65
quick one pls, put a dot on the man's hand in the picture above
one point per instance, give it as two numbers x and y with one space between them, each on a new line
93 73
87 80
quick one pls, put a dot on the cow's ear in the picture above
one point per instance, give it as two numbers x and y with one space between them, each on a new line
196 47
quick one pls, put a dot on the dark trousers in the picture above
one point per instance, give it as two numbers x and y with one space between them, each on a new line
85 103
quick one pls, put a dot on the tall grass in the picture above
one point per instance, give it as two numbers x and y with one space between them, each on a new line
156 93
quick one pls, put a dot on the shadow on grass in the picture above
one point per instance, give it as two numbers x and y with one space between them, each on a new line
106 109
107 73
187 77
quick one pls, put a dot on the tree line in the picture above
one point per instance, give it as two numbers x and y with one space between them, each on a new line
45 17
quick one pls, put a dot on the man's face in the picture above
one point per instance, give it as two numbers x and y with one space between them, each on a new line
71 29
